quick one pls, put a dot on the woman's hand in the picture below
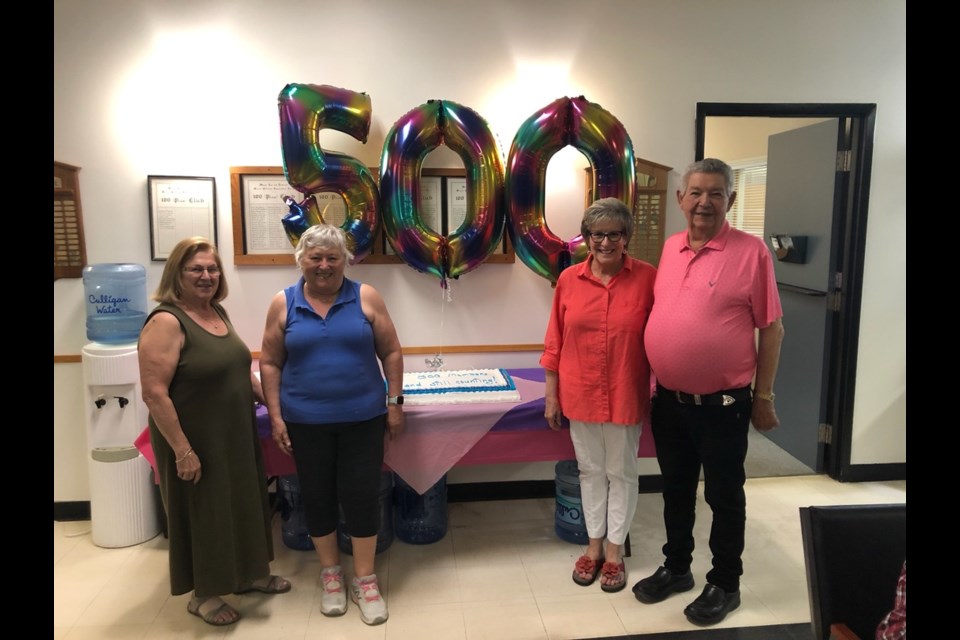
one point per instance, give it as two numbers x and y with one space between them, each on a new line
552 412
395 420
551 399
278 429
188 466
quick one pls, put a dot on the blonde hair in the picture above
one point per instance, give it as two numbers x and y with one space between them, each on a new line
169 290
325 236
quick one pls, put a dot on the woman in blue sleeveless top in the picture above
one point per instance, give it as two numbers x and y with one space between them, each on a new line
324 344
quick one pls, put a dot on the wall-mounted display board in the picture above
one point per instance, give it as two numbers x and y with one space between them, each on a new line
180 207
69 249
257 199
649 210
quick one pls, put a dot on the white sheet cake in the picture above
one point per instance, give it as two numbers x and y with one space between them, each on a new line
463 386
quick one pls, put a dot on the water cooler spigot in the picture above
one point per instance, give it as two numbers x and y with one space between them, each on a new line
100 401
123 401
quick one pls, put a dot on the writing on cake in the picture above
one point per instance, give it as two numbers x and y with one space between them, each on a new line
459 387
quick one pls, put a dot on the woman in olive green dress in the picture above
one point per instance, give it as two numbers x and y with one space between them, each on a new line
200 391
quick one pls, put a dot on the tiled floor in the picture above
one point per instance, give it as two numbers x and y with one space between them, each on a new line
499 573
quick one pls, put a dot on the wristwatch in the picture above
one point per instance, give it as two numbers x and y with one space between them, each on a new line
394 399
765 396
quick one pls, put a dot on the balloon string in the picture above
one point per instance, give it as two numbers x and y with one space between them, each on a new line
436 362
444 298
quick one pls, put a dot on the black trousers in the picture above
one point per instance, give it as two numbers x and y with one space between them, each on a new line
339 465
687 438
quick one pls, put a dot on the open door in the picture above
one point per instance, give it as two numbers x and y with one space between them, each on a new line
801 205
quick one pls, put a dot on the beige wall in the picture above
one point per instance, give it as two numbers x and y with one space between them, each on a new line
189 88
736 139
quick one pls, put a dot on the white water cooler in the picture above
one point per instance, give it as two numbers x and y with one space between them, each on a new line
123 502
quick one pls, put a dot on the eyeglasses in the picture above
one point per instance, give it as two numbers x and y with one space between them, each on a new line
612 236
198 270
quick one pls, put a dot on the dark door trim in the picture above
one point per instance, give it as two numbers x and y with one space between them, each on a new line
860 121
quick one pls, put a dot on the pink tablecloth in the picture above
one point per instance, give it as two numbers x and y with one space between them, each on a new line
437 438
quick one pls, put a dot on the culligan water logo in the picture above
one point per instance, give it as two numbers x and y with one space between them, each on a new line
106 305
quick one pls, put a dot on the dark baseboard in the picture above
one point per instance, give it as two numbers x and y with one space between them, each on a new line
874 472
467 492
70 511
517 490
651 484
525 489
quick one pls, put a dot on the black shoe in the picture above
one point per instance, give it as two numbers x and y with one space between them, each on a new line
661 584
712 605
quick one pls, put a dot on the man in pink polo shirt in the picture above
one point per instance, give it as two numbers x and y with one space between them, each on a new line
715 286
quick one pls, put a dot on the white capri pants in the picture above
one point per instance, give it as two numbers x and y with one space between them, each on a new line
607 459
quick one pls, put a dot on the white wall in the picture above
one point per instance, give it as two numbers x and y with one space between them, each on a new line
190 88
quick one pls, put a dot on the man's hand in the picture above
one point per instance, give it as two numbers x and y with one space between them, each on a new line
764 416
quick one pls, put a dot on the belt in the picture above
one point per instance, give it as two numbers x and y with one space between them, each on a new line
718 399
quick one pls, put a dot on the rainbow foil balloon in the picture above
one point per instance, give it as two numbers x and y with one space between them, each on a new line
305 110
596 133
408 142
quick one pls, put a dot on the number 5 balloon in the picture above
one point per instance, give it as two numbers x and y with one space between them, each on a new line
306 109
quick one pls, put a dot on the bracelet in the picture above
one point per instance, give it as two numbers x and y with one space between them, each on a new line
764 396
184 456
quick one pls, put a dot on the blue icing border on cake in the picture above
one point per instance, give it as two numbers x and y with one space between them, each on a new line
509 386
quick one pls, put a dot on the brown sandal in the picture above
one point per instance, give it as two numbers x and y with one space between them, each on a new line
275 584
213 616
586 566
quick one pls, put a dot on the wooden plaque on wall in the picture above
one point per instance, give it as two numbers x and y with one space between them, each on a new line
649 210
69 250
270 183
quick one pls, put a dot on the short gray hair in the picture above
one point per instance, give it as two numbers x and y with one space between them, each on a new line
607 209
708 165
325 236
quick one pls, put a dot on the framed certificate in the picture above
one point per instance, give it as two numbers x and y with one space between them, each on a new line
180 207
257 199
257 195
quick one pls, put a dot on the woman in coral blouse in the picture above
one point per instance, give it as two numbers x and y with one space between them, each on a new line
598 377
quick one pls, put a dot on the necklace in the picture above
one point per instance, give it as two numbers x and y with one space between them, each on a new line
211 321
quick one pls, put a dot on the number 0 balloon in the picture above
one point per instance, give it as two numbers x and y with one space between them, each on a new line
410 139
592 130
306 109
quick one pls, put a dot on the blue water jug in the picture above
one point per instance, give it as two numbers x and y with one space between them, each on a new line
420 519
568 523
116 302
294 518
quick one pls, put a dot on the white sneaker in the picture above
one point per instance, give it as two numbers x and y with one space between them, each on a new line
365 593
333 602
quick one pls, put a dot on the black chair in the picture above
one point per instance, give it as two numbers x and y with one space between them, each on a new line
853 555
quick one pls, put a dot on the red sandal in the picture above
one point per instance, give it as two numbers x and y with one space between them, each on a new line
588 567
617 573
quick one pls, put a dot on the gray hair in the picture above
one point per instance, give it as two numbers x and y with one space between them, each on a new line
607 209
325 236
708 165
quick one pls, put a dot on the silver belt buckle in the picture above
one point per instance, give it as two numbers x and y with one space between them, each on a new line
696 399
728 400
